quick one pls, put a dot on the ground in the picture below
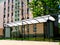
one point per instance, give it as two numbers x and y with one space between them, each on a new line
18 42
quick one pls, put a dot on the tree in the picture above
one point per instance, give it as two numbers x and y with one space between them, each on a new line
37 7
51 6
43 7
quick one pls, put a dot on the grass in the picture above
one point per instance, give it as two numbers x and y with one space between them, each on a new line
31 39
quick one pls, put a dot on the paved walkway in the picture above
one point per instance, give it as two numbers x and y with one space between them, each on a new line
14 42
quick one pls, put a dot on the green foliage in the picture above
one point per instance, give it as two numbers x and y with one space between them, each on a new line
36 7
59 25
43 7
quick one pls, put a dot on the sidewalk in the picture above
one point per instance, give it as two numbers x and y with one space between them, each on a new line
14 42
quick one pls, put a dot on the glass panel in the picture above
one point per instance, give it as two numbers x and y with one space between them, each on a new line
34 28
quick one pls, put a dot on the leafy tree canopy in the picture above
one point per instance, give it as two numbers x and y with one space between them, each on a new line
43 7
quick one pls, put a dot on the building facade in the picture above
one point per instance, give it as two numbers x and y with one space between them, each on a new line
1 18
12 11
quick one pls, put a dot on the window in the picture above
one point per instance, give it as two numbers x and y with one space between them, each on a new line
22 12
18 19
18 11
34 28
12 1
4 16
4 21
4 3
11 20
27 17
22 4
15 15
8 21
8 9
15 0
27 10
12 14
15 3
22 9
15 20
18 15
15 11
16 7
27 1
8 2
8 15
4 10
18 2
12 6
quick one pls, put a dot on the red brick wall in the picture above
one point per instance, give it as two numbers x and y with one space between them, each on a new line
39 26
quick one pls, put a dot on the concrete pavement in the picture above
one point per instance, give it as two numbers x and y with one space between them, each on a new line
14 42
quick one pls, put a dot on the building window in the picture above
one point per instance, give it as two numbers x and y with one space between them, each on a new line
18 15
12 14
8 2
15 15
27 0
15 19
27 10
15 7
34 28
18 19
15 0
22 12
12 6
8 21
8 9
11 20
18 11
4 16
18 6
4 10
15 3
15 11
18 3
8 15
4 21
4 4
12 1
27 17
22 4
22 9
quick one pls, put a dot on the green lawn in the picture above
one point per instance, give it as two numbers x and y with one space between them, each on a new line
29 39
32 39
